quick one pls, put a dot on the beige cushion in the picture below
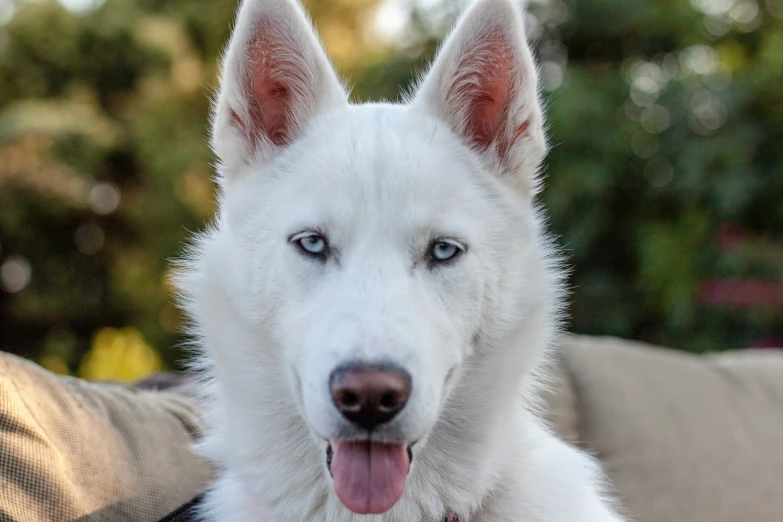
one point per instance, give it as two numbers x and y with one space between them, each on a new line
562 405
74 450
683 438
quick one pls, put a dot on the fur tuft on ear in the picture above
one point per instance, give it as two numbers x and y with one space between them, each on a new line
275 78
483 85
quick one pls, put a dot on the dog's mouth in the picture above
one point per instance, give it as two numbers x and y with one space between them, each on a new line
369 476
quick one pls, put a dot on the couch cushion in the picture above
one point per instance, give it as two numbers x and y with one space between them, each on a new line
562 408
73 450
683 437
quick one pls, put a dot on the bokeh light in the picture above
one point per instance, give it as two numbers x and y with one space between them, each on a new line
15 274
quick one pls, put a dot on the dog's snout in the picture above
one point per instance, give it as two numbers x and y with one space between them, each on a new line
370 395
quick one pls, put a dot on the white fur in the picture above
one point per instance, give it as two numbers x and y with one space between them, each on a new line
382 181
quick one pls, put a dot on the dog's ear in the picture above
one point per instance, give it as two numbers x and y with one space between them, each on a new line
275 77
483 85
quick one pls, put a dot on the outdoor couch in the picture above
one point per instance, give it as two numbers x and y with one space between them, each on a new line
683 438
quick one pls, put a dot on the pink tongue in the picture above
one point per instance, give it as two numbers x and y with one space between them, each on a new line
369 477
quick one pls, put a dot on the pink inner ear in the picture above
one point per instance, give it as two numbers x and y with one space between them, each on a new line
484 88
270 107
274 70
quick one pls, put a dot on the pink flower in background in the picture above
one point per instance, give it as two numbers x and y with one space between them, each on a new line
741 293
769 343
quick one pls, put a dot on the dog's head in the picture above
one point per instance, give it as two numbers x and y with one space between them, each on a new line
376 248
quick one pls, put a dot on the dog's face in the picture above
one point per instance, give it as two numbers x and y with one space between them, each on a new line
370 245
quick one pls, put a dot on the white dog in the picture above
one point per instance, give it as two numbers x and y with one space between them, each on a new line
377 295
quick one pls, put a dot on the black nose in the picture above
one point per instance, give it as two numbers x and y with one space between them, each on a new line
370 395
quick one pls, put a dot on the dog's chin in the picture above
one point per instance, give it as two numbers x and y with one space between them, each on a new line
369 476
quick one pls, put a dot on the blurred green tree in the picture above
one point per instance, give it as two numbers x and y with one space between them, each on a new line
664 184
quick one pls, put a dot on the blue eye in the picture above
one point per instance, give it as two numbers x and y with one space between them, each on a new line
311 243
442 251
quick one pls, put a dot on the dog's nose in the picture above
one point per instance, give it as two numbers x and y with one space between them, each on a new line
370 395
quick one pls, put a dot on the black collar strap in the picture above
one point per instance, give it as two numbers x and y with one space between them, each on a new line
187 513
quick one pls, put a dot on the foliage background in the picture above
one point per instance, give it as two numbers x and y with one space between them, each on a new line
665 184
